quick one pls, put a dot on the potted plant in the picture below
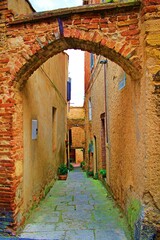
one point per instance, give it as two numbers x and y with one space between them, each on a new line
83 165
90 173
62 172
70 167
103 173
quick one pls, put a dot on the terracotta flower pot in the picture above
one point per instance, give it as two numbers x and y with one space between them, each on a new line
62 177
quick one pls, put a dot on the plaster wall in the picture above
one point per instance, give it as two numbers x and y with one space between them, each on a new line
125 166
95 93
79 155
78 137
20 6
125 147
44 100
76 113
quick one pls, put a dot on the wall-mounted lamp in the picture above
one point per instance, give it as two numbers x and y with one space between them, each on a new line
104 61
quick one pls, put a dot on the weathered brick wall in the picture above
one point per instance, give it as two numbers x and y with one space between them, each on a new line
11 141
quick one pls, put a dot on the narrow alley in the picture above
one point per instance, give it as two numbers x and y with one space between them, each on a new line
75 209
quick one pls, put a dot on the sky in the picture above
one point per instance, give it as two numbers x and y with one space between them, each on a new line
76 57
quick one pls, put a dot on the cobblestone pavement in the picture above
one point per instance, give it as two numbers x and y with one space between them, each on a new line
77 209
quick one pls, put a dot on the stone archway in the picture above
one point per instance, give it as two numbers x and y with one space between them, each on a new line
115 31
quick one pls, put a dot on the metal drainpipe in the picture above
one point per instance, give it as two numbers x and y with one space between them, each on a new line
104 62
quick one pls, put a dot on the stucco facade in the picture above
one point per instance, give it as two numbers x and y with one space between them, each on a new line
44 100
94 108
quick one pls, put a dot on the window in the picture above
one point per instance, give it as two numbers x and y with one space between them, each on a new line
91 61
69 90
90 110
122 83
54 128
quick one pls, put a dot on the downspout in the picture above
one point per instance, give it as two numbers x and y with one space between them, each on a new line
105 62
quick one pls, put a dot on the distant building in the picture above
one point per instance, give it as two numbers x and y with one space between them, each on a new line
76 134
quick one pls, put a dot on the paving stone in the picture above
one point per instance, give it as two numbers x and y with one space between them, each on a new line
41 217
76 209
80 234
54 235
109 235
70 225
40 227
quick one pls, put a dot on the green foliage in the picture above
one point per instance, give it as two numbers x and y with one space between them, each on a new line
103 173
95 176
47 189
109 1
71 167
90 173
82 164
62 170
133 212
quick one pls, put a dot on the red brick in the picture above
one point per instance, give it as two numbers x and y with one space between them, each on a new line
92 26
151 2
86 20
104 41
4 60
122 18
5 105
130 32
77 21
133 26
95 20
5 69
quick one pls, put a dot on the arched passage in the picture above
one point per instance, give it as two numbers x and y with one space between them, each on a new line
30 41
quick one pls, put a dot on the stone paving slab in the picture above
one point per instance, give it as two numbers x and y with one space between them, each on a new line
80 235
51 235
77 209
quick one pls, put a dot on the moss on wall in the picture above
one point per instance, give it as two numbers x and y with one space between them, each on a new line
133 212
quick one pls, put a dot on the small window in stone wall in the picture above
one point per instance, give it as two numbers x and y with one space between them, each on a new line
122 83
54 128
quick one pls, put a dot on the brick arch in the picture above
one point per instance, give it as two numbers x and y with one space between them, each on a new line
71 125
109 31
35 61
